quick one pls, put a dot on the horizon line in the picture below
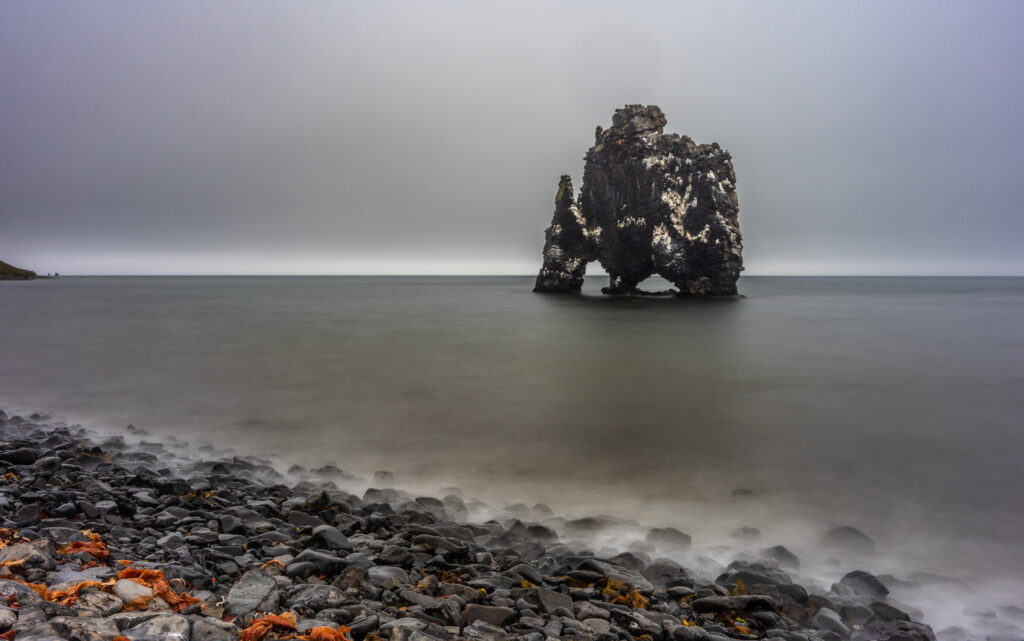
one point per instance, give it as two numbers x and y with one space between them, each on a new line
58 275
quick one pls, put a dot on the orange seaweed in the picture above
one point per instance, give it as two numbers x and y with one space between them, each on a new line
328 634
65 597
263 625
10 537
157 581
622 594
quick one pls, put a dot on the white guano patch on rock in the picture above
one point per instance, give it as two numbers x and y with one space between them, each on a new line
661 238
630 221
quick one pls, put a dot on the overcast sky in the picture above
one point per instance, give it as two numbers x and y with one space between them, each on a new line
428 137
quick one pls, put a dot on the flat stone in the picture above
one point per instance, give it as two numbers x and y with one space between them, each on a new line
27 515
21 456
404 622
131 591
300 570
308 599
549 600
165 627
230 524
394 555
856 613
126 620
690 633
895 631
324 562
409 634
587 610
211 629
255 591
24 594
29 553
105 507
303 519
88 628
363 626
170 541
100 604
630 577
887 612
65 577
44 632
466 593
483 631
387 576
747 603
494 615
305 625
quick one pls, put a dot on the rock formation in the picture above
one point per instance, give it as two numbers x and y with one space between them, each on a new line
651 203
10 272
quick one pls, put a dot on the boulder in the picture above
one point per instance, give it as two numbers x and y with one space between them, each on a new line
865 583
850 540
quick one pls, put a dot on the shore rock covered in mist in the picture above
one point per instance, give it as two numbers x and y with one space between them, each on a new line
651 203
102 538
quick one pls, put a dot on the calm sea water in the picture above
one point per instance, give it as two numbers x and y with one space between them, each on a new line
892 405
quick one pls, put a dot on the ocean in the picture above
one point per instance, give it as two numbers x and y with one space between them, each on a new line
892 405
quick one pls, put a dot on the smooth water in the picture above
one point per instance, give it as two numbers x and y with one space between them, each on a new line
893 405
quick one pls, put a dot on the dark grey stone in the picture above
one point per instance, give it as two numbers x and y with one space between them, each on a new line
255 591
850 540
490 614
746 603
325 562
865 583
330 538
211 629
827 619
309 599
166 627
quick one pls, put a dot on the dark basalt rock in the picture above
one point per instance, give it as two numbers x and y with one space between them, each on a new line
651 203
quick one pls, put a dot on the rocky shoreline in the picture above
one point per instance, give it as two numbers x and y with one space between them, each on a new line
103 539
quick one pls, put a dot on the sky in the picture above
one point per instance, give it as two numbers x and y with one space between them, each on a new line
196 137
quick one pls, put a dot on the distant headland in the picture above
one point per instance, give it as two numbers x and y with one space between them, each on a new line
10 272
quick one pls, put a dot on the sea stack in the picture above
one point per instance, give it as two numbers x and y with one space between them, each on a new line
650 203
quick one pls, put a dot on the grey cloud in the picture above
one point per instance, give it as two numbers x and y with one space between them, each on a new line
353 137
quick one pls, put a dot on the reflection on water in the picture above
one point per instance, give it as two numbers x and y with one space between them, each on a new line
892 405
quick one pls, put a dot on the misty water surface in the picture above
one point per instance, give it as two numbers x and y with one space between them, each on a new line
892 405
